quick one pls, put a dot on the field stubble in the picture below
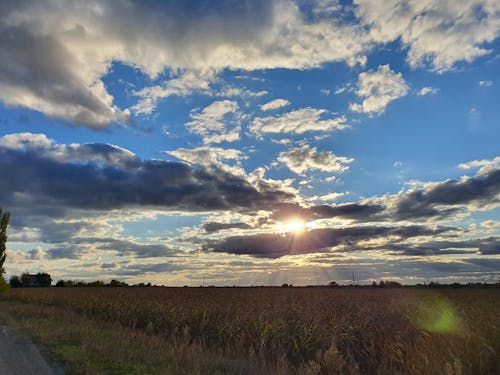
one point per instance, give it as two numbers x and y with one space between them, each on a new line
268 330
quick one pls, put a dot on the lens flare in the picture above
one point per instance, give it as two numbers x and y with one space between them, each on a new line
437 315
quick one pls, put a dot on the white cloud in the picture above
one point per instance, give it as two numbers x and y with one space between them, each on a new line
474 117
217 122
487 83
428 90
55 54
185 84
74 152
329 197
301 160
298 121
26 140
189 83
491 224
326 7
325 92
206 155
378 88
211 156
440 33
274 104
484 165
229 91
37 253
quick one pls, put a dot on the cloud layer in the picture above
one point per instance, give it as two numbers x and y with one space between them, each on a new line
103 177
275 245
437 33
56 55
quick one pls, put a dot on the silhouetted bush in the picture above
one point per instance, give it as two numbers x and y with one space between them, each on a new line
15 282
115 283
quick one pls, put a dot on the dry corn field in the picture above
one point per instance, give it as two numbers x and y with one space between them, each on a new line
284 330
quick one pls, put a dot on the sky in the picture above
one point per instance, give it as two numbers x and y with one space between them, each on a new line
251 142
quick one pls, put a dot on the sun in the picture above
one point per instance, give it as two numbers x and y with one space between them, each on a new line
294 225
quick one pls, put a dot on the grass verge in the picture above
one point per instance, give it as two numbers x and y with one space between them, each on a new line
87 347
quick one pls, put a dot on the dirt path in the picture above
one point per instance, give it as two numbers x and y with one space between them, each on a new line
20 356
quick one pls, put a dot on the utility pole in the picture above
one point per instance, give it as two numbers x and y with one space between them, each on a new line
353 278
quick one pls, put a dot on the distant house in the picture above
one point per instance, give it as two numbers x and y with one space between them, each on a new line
29 281
36 281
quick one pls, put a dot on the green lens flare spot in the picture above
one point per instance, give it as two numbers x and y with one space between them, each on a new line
438 316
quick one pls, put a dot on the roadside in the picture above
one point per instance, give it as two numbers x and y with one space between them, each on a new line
20 356
88 347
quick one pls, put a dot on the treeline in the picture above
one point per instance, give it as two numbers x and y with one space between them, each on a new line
26 280
381 284
96 284
435 284
43 280
395 284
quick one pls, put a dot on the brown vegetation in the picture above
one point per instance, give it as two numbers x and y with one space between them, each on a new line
286 330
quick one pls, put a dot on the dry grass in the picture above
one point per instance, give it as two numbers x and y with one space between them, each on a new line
264 330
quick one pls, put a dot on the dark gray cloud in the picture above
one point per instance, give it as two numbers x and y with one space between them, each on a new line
137 250
490 263
435 201
213 226
442 199
42 69
77 248
354 211
122 247
66 252
425 249
108 265
275 245
60 193
141 269
88 184
485 246
453 244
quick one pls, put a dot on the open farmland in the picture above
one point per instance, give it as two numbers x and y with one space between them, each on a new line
264 330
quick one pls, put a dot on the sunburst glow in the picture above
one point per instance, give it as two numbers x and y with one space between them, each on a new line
295 225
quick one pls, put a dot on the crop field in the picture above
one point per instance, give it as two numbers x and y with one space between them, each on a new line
267 330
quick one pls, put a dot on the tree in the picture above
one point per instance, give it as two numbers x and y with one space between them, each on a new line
44 279
4 222
27 280
15 282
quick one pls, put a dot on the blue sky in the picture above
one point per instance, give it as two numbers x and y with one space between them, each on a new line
251 142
